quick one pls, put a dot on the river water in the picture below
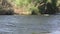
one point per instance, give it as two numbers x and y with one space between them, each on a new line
29 24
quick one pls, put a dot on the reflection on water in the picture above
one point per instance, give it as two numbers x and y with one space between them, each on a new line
29 24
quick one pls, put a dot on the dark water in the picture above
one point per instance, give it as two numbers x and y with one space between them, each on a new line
29 24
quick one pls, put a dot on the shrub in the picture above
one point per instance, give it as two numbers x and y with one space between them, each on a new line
27 5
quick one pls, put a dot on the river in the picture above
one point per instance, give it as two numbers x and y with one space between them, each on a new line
29 24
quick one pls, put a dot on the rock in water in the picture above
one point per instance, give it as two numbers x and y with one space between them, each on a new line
46 14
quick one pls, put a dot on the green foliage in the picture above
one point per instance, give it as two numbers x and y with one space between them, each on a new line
22 2
27 5
32 5
54 2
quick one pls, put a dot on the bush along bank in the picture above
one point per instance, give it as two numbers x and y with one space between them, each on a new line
32 7
36 7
